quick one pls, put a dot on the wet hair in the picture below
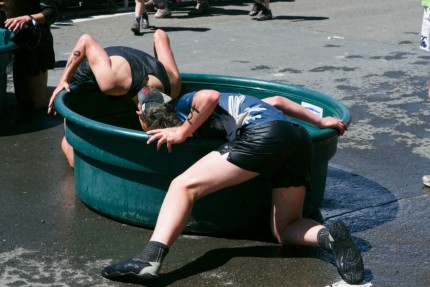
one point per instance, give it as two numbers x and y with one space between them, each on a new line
160 115
156 108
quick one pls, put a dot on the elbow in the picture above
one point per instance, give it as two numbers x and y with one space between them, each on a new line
275 101
50 13
211 97
160 35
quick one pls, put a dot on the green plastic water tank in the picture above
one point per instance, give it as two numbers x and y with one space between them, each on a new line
118 175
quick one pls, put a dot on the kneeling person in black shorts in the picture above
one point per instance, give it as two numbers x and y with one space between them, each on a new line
34 57
261 140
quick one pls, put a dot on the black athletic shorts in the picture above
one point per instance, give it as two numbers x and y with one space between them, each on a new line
36 60
279 150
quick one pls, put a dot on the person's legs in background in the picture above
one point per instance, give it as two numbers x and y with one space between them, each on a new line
163 10
140 17
261 9
30 91
202 7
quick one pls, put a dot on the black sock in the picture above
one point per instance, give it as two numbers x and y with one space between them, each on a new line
137 18
324 239
153 252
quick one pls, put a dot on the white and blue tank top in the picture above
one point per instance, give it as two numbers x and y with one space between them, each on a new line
233 112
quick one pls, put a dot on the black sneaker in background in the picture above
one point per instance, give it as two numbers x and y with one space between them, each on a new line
264 15
256 8
135 28
145 21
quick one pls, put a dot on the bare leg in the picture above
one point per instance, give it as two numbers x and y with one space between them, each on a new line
288 226
267 4
163 52
211 173
68 152
139 12
139 9
37 87
190 186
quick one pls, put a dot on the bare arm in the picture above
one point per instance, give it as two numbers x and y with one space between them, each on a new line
85 48
204 103
297 111
49 14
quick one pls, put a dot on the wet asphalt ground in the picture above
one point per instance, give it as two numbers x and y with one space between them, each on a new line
363 53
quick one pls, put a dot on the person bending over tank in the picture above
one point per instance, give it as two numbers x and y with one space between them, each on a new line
119 71
262 140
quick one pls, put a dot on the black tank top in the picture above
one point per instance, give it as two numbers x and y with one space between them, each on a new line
141 65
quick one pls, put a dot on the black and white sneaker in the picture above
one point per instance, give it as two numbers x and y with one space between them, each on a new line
135 28
145 21
348 257
264 15
132 270
256 8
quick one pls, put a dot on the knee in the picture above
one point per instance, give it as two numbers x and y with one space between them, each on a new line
285 231
187 186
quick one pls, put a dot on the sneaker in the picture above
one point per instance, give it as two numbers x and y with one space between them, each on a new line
145 21
135 27
426 180
256 8
163 13
264 15
200 9
132 270
348 257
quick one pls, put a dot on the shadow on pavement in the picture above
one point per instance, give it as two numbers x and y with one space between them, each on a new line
359 202
14 121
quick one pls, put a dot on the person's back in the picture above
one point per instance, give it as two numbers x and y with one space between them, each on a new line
234 111
141 65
